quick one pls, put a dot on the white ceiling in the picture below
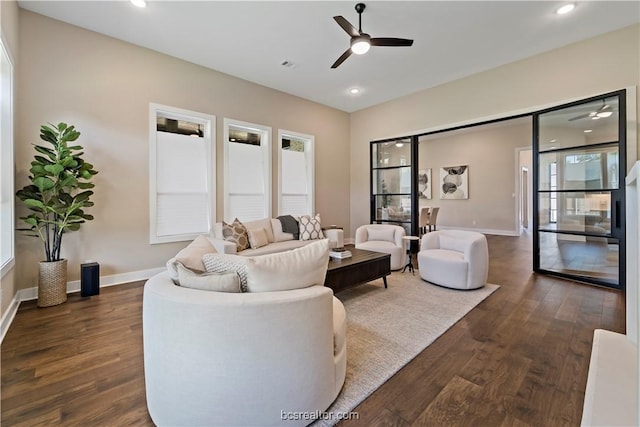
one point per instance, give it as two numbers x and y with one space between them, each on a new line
250 40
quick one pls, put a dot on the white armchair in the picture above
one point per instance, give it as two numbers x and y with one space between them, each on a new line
233 359
454 259
383 238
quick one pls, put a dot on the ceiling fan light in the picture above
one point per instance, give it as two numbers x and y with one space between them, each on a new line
360 46
604 114
566 8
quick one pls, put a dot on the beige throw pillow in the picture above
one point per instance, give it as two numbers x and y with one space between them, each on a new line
218 282
381 233
295 269
191 256
258 238
236 232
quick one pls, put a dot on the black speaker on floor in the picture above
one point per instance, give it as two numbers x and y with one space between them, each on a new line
89 279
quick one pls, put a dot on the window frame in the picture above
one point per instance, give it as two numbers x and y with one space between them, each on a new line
309 150
209 122
7 150
265 145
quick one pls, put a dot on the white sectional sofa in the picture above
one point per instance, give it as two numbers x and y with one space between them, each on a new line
217 357
279 241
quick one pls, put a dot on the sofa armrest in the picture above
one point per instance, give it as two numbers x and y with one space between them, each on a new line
224 247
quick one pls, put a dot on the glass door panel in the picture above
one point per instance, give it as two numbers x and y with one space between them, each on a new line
579 168
583 257
589 123
579 226
393 182
575 212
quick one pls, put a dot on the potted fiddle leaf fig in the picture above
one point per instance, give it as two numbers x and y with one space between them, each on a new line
57 198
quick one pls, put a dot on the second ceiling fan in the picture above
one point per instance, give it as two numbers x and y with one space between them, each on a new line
361 42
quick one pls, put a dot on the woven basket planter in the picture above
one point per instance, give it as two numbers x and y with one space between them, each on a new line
52 283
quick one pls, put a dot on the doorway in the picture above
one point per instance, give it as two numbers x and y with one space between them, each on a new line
579 164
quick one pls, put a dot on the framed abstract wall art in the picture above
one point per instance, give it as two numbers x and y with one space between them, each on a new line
454 182
424 184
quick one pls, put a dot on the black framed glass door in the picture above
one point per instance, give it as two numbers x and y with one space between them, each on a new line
579 168
394 182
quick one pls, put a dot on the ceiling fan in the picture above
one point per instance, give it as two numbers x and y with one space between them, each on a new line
361 42
601 112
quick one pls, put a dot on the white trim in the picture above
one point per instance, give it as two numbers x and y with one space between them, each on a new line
484 231
209 122
632 126
9 315
309 150
518 183
8 264
265 145
73 286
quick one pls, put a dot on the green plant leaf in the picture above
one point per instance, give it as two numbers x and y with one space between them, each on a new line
46 151
43 184
54 170
33 203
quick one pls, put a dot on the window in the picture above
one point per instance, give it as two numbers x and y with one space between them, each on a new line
247 171
296 177
181 179
6 162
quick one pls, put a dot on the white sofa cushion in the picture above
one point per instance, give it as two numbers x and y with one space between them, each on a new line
224 263
452 243
278 234
276 247
264 223
382 234
299 268
218 282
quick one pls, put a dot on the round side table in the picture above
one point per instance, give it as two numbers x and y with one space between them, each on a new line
409 265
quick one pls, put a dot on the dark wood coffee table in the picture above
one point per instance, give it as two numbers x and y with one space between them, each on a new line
362 267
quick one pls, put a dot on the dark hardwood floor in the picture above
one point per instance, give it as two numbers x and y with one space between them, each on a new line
520 358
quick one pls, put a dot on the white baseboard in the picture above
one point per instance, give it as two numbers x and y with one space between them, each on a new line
73 286
8 316
484 231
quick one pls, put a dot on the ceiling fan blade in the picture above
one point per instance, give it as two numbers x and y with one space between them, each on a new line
350 29
390 41
581 116
342 58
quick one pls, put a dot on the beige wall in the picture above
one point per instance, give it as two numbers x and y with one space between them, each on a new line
490 153
104 87
598 65
9 26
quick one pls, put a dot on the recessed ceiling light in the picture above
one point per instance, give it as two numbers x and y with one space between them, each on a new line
399 144
553 140
566 8
604 114
588 130
354 91
139 3
595 117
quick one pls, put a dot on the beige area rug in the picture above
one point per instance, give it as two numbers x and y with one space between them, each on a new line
387 328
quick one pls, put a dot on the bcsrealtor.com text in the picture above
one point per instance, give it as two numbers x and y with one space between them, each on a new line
318 415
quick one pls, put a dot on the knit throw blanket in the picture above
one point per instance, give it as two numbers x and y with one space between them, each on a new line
290 225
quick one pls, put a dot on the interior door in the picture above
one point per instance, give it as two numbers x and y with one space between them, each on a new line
579 158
